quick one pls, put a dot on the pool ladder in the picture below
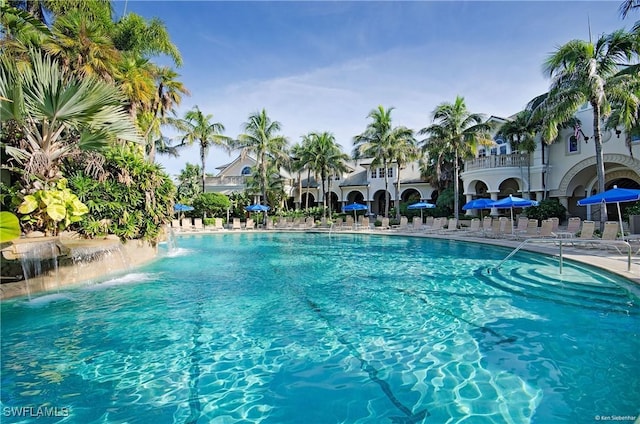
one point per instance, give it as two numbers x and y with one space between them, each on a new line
559 243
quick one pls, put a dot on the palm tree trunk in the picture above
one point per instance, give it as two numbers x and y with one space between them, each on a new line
599 159
386 190
324 197
202 160
456 185
398 194
306 201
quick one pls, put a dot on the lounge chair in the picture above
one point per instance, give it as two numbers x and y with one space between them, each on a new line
197 224
250 225
438 224
365 223
521 227
586 233
452 225
404 224
175 224
428 223
531 231
546 230
573 226
487 221
416 223
310 222
348 223
474 227
385 224
270 224
217 224
610 233
237 225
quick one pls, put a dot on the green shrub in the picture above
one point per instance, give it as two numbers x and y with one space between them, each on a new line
549 208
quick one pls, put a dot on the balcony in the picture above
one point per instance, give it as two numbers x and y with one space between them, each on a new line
226 181
514 160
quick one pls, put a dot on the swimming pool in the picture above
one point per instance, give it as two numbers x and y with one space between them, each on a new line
307 328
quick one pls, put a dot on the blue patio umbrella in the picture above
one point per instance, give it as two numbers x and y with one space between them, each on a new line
482 203
354 207
513 202
615 195
421 206
179 207
257 208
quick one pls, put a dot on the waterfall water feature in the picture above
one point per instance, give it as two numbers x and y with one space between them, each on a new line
172 244
38 260
113 256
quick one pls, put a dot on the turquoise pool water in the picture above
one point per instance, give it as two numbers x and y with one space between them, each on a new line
307 328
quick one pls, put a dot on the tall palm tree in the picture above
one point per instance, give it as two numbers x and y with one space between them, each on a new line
56 114
403 151
458 131
197 127
580 72
625 99
83 46
328 159
375 142
261 139
627 6
521 131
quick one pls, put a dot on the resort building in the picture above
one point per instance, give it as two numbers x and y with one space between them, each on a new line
564 170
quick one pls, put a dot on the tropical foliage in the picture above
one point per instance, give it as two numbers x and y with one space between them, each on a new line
131 198
456 131
261 139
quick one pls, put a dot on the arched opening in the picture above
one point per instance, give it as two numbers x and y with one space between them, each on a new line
332 202
379 199
508 187
410 195
312 200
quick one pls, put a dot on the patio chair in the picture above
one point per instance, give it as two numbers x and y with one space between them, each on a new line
310 222
586 234
416 223
474 227
486 225
217 224
197 224
365 223
175 224
438 224
385 224
610 233
236 224
428 222
521 227
573 226
546 230
452 225
250 225
404 224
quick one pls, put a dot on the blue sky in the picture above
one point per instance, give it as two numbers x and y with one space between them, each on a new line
324 65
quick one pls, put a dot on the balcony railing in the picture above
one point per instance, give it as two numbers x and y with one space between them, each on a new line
226 181
499 161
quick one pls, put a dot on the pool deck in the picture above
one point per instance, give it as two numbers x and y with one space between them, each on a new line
599 256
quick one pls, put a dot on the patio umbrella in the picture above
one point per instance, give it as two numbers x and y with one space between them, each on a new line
179 207
482 203
421 206
615 195
513 202
257 208
354 207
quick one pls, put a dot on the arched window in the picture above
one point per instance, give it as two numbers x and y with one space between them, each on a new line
246 170
501 148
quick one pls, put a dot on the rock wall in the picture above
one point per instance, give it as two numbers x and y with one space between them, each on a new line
75 261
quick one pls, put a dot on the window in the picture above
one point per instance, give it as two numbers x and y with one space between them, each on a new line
336 177
390 172
573 146
373 173
501 148
246 170
380 172
482 152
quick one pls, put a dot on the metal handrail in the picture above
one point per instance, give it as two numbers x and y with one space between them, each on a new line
572 241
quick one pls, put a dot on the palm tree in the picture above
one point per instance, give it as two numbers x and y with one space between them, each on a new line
197 127
458 131
403 151
625 98
375 142
83 46
521 131
56 114
580 72
627 6
260 138
189 183
328 159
